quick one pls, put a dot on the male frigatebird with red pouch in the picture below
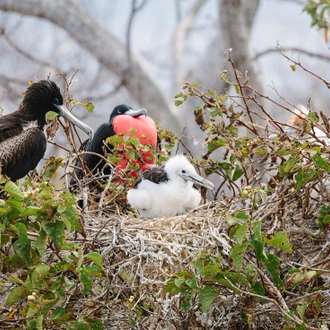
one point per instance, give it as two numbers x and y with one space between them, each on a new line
22 148
123 121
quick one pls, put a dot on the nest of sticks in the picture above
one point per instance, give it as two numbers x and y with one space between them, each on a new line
141 255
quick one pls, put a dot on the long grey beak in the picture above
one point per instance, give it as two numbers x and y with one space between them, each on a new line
64 112
197 179
136 113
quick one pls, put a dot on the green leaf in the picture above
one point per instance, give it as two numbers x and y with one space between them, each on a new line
251 273
135 142
178 102
215 112
39 273
51 115
179 281
88 106
16 206
13 190
259 289
51 167
288 165
55 230
16 279
241 232
241 216
273 265
30 210
71 219
36 324
280 240
226 283
301 310
85 281
321 163
95 257
237 173
2 211
261 151
300 277
176 96
206 297
171 287
16 295
312 116
216 143
32 310
257 241
59 315
192 283
237 253
41 242
303 176
232 130
23 245
74 102
324 217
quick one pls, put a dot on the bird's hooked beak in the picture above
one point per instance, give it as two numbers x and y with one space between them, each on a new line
136 113
64 112
197 179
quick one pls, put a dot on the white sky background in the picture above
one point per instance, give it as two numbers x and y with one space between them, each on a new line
277 21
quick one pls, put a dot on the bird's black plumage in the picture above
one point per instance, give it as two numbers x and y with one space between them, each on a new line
20 149
153 174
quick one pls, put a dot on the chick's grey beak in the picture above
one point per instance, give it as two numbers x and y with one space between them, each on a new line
64 112
197 179
136 113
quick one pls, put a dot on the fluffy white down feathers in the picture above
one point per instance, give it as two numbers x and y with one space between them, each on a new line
169 190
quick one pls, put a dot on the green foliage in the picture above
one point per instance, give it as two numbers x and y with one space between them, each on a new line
324 217
254 254
320 14
214 275
49 215
87 105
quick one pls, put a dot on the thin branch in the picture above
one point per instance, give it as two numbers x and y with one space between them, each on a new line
134 10
302 67
292 49
180 35
24 53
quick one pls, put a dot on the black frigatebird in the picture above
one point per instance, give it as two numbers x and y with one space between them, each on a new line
123 120
168 190
22 148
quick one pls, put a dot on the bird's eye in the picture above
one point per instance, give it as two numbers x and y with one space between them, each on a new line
183 171
56 101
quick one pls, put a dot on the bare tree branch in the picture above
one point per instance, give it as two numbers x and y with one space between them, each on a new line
134 10
180 35
292 49
105 47
24 53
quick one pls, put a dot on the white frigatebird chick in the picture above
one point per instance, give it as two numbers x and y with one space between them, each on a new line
167 190
22 148
123 121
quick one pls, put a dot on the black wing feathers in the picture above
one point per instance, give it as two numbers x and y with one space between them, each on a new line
155 174
22 153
